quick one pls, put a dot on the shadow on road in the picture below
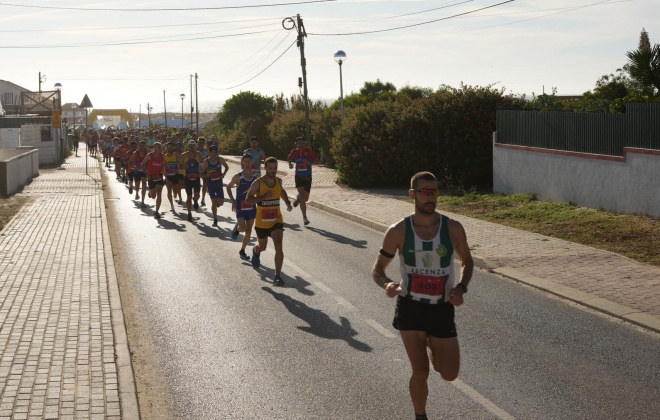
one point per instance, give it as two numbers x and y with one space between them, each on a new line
319 322
339 238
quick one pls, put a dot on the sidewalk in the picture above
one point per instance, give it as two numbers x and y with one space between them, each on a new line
64 352
601 280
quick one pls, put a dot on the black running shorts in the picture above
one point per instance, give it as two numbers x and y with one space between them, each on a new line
435 319
265 232
304 182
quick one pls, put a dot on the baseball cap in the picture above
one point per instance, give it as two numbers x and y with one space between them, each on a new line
213 147
193 142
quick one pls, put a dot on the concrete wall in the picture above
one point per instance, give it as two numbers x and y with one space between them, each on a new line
628 184
31 136
9 138
17 168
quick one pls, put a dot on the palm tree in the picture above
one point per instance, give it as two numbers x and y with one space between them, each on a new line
644 67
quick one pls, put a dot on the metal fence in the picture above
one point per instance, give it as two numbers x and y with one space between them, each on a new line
599 133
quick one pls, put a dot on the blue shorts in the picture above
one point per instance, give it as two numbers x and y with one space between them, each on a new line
215 189
248 214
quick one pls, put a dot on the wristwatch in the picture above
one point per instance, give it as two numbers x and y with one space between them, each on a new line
462 286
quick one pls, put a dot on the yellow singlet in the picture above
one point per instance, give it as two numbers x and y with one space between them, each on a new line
268 211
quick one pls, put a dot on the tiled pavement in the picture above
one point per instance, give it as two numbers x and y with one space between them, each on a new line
62 338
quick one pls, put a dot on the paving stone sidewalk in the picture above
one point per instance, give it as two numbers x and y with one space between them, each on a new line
601 280
63 345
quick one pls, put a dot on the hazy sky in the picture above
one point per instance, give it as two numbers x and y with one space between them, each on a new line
125 57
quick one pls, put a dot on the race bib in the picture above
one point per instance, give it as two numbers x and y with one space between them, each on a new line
193 176
245 206
428 285
214 176
172 168
255 166
269 215
302 166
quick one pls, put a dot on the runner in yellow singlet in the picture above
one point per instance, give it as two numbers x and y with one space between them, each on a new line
265 192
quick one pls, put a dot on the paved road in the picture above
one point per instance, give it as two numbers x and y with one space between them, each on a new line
213 339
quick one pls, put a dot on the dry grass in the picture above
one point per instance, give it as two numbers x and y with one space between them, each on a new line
636 237
9 207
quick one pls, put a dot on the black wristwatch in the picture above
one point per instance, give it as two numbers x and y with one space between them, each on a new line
462 286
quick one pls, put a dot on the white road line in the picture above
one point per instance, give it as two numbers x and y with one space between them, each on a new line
376 326
481 400
343 302
323 287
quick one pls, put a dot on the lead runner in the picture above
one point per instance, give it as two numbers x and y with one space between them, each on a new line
427 292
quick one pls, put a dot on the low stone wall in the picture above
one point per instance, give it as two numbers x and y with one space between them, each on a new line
17 168
628 184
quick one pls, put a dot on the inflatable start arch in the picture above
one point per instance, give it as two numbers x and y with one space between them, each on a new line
124 114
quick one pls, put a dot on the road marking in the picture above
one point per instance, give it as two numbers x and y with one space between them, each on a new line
376 326
481 400
340 300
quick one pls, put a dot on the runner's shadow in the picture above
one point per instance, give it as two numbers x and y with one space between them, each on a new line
339 238
298 283
166 224
212 231
295 227
319 322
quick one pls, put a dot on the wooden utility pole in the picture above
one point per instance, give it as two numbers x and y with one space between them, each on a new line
288 24
196 108
303 63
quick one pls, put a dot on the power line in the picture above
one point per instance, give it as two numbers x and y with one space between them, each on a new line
91 9
258 74
105 44
416 24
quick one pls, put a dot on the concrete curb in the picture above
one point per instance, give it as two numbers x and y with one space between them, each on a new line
616 310
130 408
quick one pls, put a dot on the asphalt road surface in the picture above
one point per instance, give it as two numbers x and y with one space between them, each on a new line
211 338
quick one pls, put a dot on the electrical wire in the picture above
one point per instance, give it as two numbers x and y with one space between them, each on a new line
91 9
105 44
415 24
258 74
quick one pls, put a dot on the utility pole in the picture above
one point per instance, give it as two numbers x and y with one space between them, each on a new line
196 108
165 106
302 34
41 80
192 108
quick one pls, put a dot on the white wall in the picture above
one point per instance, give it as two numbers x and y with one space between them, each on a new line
629 184
9 138
17 168
31 136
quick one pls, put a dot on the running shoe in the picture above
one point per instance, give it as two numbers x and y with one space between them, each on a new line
234 232
189 217
277 281
243 255
215 222
255 259
306 221
296 201
156 215
203 203
130 190
173 211
143 205
195 205
137 196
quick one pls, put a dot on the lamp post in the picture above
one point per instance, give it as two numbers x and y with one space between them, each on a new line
149 114
57 108
340 57
182 96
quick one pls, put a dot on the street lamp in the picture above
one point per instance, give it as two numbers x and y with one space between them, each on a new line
57 105
340 57
182 96
149 113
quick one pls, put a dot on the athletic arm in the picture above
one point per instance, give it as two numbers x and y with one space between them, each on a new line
462 249
224 165
392 244
285 196
146 159
252 197
230 185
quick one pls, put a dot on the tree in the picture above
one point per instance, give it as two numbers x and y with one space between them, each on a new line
644 67
244 110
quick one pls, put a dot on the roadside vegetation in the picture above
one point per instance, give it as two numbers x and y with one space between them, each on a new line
636 237
9 207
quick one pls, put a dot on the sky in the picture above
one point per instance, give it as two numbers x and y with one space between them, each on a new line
130 54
